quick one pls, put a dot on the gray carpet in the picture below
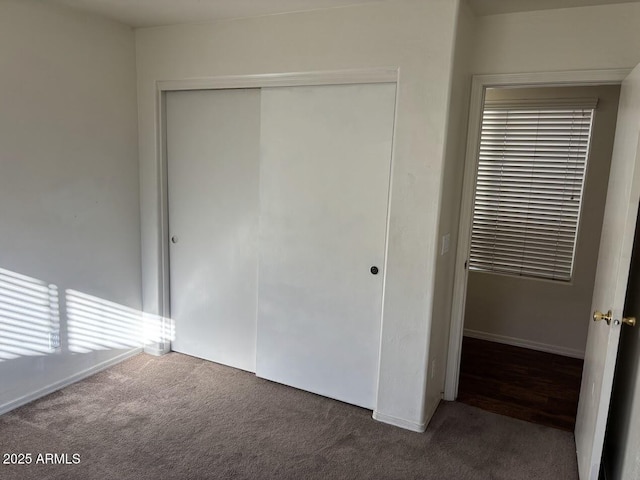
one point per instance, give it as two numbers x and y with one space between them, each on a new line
177 417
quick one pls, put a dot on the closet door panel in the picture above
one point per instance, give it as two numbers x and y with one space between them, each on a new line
213 169
324 190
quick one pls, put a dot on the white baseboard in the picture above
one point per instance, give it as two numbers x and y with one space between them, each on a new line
399 422
12 405
520 342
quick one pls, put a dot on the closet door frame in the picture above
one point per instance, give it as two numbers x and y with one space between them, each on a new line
317 78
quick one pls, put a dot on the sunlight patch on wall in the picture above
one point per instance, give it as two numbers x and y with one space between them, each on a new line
30 323
97 324
157 329
29 316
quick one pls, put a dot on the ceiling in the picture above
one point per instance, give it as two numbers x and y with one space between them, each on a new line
492 7
147 13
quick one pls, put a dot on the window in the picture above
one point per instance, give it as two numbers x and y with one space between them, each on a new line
529 187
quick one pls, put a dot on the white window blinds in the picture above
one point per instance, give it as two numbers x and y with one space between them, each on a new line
529 186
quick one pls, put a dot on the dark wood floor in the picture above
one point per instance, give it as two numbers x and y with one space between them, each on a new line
534 386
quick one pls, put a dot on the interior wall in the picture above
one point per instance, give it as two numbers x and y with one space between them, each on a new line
596 37
69 206
543 314
412 35
622 439
451 190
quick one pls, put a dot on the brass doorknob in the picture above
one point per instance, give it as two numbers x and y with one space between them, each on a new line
602 316
631 321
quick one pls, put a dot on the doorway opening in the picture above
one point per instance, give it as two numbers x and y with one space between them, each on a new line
535 220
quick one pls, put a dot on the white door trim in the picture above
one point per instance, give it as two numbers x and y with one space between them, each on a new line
478 86
293 79
287 79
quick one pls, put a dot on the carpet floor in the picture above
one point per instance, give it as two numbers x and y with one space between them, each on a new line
178 417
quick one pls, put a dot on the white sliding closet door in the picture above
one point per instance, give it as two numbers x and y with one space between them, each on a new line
324 188
213 166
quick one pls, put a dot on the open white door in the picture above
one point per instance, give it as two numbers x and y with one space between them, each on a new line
614 259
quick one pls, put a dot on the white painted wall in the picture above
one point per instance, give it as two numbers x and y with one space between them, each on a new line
595 37
413 35
450 202
68 187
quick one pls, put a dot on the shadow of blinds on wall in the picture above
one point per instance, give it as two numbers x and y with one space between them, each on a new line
531 169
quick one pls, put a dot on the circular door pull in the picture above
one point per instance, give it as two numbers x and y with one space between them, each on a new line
374 270
174 239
